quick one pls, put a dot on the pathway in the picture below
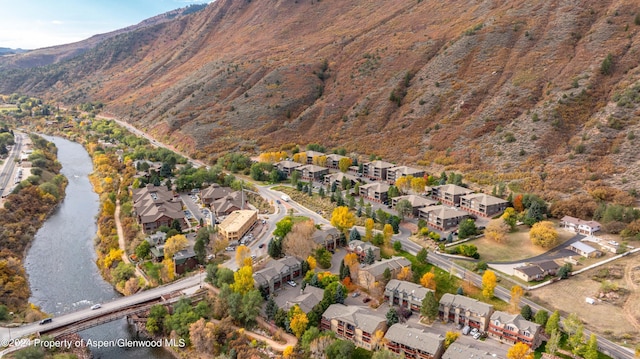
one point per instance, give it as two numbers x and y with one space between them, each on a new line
122 245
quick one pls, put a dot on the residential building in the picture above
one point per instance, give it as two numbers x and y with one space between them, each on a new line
237 224
536 271
405 294
377 169
312 172
449 194
579 226
442 217
213 193
464 310
461 351
308 298
416 201
413 342
375 191
338 177
234 201
327 237
157 238
513 328
333 161
352 323
311 155
394 173
585 250
184 260
370 274
482 204
287 167
362 248
156 206
276 273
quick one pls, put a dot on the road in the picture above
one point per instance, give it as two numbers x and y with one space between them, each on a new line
120 303
7 174
608 347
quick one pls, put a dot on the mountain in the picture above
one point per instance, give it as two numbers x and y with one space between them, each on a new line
540 93
7 51
55 54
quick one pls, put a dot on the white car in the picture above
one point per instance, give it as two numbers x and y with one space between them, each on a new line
96 306
477 336
292 283
473 331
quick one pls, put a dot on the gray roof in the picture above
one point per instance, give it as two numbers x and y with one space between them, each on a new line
376 269
380 164
335 157
320 236
460 301
287 164
484 199
313 153
549 265
515 319
530 270
415 338
364 246
215 191
274 269
356 316
461 351
405 170
453 189
416 201
312 168
376 186
583 247
308 298
444 212
410 289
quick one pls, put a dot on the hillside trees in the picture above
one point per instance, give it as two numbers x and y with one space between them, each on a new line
544 234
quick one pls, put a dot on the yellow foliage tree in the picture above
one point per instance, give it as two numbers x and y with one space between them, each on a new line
288 352
350 259
298 322
312 262
300 157
544 234
449 338
109 208
510 216
174 245
405 274
428 280
497 230
489 282
242 252
418 184
516 294
342 219
319 160
344 164
404 183
169 269
368 229
519 351
387 232
114 255
243 280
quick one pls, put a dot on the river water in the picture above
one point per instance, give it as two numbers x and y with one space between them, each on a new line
61 265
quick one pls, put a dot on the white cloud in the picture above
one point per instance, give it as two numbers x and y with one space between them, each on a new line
57 22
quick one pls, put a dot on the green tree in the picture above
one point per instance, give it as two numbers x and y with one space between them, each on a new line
591 350
404 208
30 353
553 343
467 229
422 255
541 317
397 246
576 341
340 349
369 258
354 235
606 67
392 317
526 312
142 250
553 324
430 305
564 271
295 177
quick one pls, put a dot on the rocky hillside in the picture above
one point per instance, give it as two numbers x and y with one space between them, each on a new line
543 94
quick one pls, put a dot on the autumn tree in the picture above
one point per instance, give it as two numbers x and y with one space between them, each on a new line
202 336
544 234
243 255
520 351
243 280
405 273
516 294
418 184
489 282
517 203
351 261
344 164
510 217
298 321
368 229
342 219
387 232
174 245
299 241
449 338
288 352
428 280
497 230
404 183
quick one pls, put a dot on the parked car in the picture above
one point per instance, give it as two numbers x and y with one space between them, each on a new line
466 330
261 245
366 300
277 201
355 294
292 283
474 331
477 336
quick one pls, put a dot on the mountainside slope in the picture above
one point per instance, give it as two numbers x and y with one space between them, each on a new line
503 90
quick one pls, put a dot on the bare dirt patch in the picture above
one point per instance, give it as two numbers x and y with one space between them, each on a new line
616 318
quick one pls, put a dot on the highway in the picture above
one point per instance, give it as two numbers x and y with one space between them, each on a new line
7 174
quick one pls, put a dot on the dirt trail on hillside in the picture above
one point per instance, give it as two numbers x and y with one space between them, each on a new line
630 308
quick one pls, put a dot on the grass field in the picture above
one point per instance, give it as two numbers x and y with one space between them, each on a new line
517 246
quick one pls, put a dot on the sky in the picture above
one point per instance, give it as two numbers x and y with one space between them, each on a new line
32 24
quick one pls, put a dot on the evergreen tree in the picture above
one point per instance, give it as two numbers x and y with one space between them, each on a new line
553 323
271 308
341 271
392 317
526 312
369 257
354 235
321 192
340 294
422 256
429 306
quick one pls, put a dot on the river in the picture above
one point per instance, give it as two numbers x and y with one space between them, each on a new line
63 275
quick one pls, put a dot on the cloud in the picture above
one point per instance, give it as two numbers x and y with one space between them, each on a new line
57 22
